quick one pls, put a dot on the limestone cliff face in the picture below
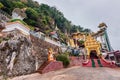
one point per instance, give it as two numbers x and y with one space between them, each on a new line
20 54
16 54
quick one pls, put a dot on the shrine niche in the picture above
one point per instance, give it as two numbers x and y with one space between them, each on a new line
91 45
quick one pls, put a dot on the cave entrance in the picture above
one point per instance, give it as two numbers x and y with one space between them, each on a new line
93 54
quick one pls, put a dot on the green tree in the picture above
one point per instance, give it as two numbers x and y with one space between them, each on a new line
87 31
32 4
18 4
43 16
8 6
32 14
80 28
1 5
63 58
74 29
30 22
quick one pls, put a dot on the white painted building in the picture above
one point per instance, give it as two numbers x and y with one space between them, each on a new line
16 16
17 25
52 41
25 30
43 37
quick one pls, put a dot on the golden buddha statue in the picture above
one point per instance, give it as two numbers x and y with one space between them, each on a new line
50 55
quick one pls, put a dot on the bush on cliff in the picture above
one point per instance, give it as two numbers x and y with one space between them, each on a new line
64 58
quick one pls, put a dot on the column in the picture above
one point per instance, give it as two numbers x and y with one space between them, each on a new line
107 41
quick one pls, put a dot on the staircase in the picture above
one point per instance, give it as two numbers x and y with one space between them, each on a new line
43 66
93 63
107 64
87 64
99 63
50 66
75 61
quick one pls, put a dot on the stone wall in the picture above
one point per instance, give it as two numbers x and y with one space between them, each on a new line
20 54
16 54
40 49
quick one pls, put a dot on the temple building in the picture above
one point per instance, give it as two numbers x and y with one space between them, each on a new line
102 36
91 44
54 34
76 39
17 25
97 42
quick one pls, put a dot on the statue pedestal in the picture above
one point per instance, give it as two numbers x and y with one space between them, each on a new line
50 66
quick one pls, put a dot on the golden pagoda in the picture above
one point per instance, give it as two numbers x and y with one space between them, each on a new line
91 44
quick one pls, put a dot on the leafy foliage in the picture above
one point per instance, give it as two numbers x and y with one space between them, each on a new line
18 4
64 59
1 5
81 41
32 14
13 20
43 16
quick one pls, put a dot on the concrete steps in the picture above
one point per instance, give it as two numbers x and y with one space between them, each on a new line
100 63
50 66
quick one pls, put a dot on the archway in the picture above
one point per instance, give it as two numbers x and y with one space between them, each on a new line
93 54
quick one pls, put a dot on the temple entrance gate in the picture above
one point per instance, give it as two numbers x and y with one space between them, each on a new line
93 55
92 46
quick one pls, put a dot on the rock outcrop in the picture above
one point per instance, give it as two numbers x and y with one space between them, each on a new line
21 54
16 54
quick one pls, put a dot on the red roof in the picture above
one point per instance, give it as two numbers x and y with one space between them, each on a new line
54 32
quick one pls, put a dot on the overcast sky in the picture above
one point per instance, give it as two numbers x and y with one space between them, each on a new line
89 13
